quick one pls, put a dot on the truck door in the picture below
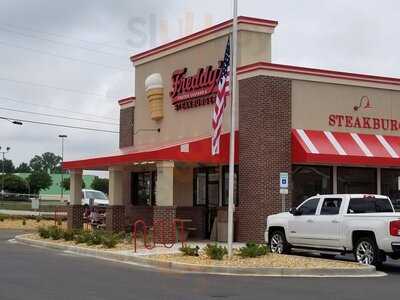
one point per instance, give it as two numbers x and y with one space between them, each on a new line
303 228
329 223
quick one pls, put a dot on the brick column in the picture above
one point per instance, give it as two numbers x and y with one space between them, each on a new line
164 229
164 212
75 217
264 151
115 218
75 209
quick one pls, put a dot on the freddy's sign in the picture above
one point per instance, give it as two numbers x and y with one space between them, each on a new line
196 90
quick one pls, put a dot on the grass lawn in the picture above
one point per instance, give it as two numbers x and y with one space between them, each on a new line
45 206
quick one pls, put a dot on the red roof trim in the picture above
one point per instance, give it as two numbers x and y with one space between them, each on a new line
317 72
126 100
202 33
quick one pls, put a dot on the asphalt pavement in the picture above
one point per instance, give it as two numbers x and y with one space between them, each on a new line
41 274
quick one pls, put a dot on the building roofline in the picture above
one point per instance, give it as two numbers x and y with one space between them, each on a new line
260 66
199 34
126 100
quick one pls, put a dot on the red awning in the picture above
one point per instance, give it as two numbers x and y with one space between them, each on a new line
197 151
326 147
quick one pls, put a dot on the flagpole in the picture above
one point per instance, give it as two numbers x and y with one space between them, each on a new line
233 91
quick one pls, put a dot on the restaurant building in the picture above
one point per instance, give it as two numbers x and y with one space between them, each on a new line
332 132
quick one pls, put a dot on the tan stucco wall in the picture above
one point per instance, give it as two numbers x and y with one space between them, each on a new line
183 186
314 102
195 122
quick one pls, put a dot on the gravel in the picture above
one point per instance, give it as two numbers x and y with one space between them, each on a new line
267 261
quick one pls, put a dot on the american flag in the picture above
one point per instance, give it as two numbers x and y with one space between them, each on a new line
220 101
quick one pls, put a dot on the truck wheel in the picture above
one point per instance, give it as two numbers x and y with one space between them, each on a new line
278 243
366 252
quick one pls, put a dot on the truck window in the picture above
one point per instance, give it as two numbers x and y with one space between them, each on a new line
309 207
331 206
369 205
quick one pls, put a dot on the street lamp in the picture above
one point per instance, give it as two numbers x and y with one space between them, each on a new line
62 137
3 171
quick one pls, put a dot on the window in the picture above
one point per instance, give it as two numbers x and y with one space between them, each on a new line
144 185
369 205
310 207
309 181
390 185
225 185
356 180
331 206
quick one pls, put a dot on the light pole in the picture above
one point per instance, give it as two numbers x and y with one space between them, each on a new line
62 137
3 171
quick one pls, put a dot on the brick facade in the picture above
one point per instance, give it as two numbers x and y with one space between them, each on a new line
126 128
144 213
264 151
115 218
198 217
75 217
164 229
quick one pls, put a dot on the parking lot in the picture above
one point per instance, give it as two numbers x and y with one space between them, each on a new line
45 274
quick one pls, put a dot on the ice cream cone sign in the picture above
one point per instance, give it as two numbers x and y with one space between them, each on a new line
155 94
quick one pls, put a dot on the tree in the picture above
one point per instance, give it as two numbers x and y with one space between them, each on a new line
8 166
48 162
15 184
39 180
100 184
65 184
23 168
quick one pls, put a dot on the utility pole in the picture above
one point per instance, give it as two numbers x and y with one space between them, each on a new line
3 171
62 137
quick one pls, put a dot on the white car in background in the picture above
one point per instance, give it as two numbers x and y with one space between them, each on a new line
365 225
93 197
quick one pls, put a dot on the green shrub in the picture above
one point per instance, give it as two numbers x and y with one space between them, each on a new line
253 250
68 235
1 219
96 238
59 222
82 237
215 251
43 232
190 251
23 222
55 232
110 240
38 219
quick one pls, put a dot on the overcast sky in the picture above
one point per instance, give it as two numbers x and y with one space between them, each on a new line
64 57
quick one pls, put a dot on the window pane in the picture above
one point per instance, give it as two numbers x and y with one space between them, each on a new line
390 185
143 188
331 206
201 184
226 186
309 207
356 180
369 205
309 181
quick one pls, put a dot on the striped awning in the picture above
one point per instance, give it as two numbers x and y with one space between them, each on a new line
344 148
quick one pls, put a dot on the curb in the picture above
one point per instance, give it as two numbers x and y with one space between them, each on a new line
220 270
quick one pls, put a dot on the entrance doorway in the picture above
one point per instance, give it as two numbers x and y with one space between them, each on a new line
206 194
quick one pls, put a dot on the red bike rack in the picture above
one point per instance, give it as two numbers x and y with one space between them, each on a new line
158 228
134 231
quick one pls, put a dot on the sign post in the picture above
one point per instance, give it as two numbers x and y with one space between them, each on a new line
284 188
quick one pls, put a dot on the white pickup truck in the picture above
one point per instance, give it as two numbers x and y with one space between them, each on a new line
366 225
